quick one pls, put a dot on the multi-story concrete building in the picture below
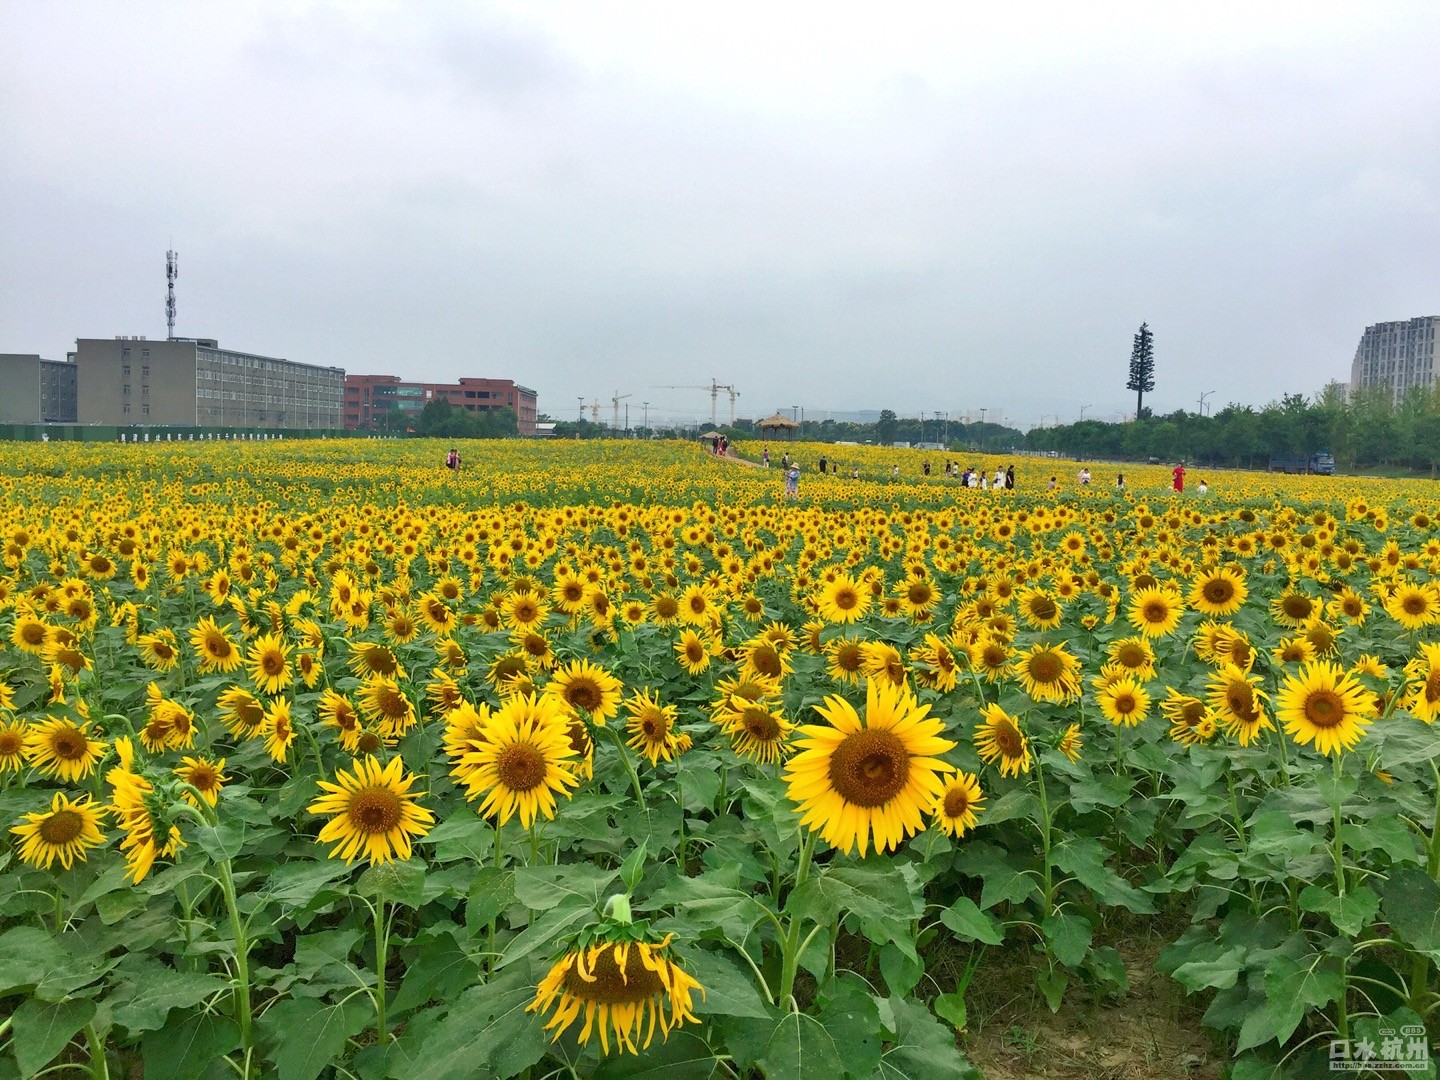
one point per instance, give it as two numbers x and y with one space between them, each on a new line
193 381
34 390
370 398
1400 355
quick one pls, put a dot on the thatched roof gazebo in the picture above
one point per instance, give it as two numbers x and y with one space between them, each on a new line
778 422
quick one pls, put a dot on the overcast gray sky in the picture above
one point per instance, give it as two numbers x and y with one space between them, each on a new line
919 206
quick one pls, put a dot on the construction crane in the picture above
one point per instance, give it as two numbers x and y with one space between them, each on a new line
594 408
714 388
615 408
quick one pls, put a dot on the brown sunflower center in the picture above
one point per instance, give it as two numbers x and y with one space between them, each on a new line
32 633
869 768
1241 699
1414 604
1043 608
579 738
1155 611
846 598
1044 668
609 985
1125 703
521 767
368 743
1297 606
1219 591
69 745
694 651
1131 655
848 657
1324 709
375 810
765 660
392 703
957 802
760 725
655 726
583 693
1008 739
61 827
272 663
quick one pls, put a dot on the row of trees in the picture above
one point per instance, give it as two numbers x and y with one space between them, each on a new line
1369 427
888 430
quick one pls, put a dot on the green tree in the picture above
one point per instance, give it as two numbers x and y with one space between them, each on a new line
1142 367
885 427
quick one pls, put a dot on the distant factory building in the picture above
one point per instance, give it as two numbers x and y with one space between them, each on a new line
34 390
193 381
370 398
1400 355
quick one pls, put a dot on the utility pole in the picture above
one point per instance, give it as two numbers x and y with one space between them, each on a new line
922 425
982 415
795 413
582 406
647 418
627 419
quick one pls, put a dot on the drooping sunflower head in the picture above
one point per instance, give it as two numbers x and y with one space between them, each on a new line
1293 608
1238 702
625 987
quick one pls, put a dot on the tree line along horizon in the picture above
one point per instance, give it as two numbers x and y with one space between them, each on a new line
1368 426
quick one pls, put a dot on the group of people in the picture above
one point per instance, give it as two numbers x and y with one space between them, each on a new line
721 447
1003 480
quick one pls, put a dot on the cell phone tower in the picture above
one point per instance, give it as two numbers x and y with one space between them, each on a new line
172 271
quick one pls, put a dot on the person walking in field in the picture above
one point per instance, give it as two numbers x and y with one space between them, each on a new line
1179 477
452 461
1010 478
766 457
792 481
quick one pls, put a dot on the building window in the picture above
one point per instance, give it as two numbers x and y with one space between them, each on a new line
145 371
125 389
145 409
125 371
125 408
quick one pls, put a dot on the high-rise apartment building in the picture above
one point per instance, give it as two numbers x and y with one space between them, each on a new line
34 390
370 398
1400 355
193 381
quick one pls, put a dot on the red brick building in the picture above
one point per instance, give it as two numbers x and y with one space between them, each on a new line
370 398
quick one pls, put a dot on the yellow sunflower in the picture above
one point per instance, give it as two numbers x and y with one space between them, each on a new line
63 749
1326 705
1048 673
270 664
843 600
693 651
1124 702
524 760
1155 612
216 651
587 687
1000 738
955 808
651 726
872 775
624 986
373 813
1218 591
66 832
1238 702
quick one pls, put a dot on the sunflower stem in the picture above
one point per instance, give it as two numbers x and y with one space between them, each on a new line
242 954
59 910
630 768
1045 835
99 1066
382 949
1337 843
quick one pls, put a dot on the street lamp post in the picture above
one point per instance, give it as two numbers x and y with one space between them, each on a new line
1083 408
647 418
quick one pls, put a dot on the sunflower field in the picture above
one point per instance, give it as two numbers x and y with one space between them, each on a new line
608 760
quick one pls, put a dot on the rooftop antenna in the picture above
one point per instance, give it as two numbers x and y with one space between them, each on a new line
172 271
